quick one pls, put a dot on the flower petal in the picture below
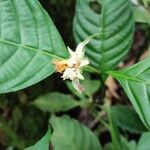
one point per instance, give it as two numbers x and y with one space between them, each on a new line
72 61
70 51
67 73
70 73
84 62
80 48
79 75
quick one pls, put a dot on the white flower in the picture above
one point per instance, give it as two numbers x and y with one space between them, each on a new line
72 67
72 74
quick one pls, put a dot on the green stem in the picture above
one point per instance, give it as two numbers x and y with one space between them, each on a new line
114 131
94 35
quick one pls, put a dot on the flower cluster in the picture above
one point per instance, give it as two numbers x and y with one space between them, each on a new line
71 68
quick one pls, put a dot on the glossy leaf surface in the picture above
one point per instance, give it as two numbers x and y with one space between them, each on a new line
114 21
29 43
136 82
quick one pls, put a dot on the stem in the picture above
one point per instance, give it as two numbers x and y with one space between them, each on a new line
92 36
98 119
91 69
114 131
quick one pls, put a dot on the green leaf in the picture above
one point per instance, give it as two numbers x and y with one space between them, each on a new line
136 82
131 145
146 2
43 144
91 85
144 141
56 102
69 134
115 25
142 14
128 145
109 146
126 118
29 43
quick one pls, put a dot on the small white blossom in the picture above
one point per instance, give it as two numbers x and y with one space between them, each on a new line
72 74
72 67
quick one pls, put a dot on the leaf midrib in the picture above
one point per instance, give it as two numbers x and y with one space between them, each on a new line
102 36
31 48
116 74
41 51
